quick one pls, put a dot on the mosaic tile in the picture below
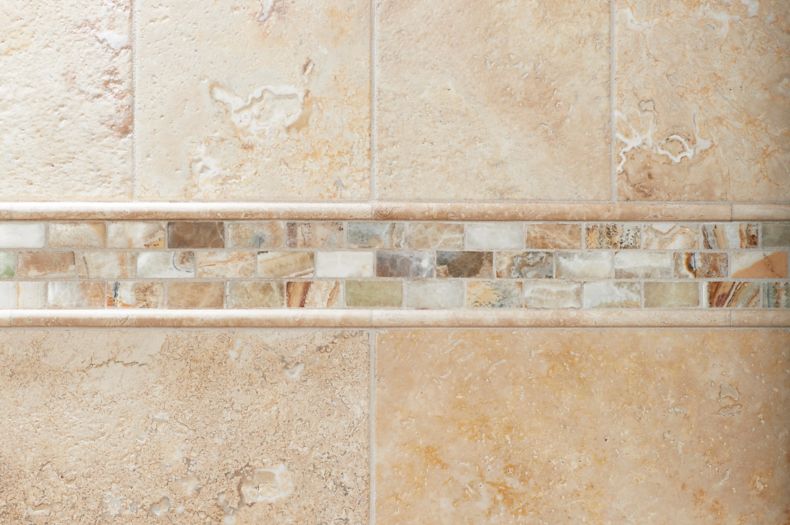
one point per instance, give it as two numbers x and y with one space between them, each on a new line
195 295
374 294
776 295
413 265
612 236
196 235
105 265
671 295
166 264
581 265
75 294
149 235
344 264
7 265
730 235
313 294
76 234
434 294
46 264
733 294
494 236
257 294
225 264
376 235
464 264
776 234
495 294
266 234
633 264
25 294
670 236
611 294
554 236
135 294
519 265
434 236
314 234
552 294
22 234
700 265
286 264
758 264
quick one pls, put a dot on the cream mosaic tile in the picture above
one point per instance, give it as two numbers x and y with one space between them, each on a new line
552 294
434 294
22 234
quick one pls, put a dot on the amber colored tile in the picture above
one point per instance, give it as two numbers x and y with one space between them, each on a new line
312 294
75 294
519 265
276 108
552 294
286 264
670 236
554 236
685 131
648 426
265 234
492 102
195 294
135 294
376 235
46 264
415 265
255 294
314 234
730 235
776 295
196 235
374 294
464 264
700 264
757 264
733 294
136 235
776 234
66 113
493 294
76 234
434 236
225 264
106 265
618 236
140 426
671 295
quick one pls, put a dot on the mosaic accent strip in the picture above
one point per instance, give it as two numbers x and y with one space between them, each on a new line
398 265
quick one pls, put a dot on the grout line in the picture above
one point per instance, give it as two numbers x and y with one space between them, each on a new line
372 334
612 99
373 101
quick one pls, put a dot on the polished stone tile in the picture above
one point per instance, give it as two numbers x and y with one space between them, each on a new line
554 236
184 234
434 236
552 294
253 100
464 264
413 265
268 234
611 294
181 294
149 235
374 294
313 294
434 294
504 101
286 264
629 426
670 236
519 265
729 235
76 294
618 236
76 234
493 294
255 294
700 265
376 235
671 295
730 294
20 234
206 426
135 294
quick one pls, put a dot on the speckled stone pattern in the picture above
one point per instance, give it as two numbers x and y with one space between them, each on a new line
378 264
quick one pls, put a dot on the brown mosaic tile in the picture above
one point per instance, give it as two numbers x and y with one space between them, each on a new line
266 234
75 294
286 264
519 265
414 265
434 236
432 295
257 294
230 264
195 294
184 234
312 294
670 236
76 234
493 294
46 264
135 294
776 295
374 294
621 236
776 235
758 264
729 235
554 236
671 295
376 235
552 294
149 235
733 294
314 235
105 265
700 265
464 264
611 294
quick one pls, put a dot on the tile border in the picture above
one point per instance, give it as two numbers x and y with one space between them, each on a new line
315 318
384 210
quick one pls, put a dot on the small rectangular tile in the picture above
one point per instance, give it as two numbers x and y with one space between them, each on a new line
166 264
105 264
552 294
195 294
584 265
758 265
255 294
618 236
776 234
285 264
186 234
344 264
376 235
313 294
374 294
671 295
487 236
554 236
31 294
46 264
700 265
464 264
493 294
434 236
264 234
729 235
7 265
315 235
611 294
414 265
730 294
776 295
76 234
229 264
520 265
75 294
135 294
434 294
20 234
8 295
670 236
148 235
635 264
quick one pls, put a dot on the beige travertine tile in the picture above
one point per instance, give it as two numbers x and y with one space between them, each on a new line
255 294
434 235
702 107
105 265
76 234
46 264
65 108
374 294
314 234
75 294
208 426
670 236
611 294
148 235
505 101
671 295
554 236
181 294
493 294
269 234
552 294
575 426
135 294
229 264
253 100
